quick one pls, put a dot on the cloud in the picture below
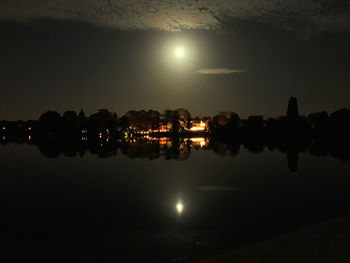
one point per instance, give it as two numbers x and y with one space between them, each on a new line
295 15
216 71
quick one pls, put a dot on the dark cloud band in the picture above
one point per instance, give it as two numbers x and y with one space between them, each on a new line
296 15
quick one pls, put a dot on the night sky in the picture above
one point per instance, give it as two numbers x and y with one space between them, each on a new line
245 56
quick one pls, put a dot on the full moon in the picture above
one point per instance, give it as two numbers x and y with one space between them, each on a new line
179 52
179 207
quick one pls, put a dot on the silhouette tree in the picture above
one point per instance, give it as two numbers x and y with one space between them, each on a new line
176 127
341 120
168 116
124 122
155 119
319 120
50 121
68 119
188 123
254 123
104 119
234 120
81 114
292 111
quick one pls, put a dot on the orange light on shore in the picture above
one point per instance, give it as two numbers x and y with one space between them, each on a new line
200 127
197 129
197 139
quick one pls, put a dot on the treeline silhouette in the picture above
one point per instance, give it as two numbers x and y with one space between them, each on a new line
179 123
70 125
318 124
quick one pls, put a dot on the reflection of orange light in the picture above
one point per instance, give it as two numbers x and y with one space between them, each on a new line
29 138
198 141
161 141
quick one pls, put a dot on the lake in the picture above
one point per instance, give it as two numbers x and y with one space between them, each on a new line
160 201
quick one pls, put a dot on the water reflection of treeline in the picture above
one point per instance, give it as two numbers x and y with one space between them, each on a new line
174 134
181 148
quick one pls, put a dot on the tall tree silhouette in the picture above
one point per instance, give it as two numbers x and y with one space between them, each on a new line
292 111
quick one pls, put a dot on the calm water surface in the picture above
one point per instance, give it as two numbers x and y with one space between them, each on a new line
135 209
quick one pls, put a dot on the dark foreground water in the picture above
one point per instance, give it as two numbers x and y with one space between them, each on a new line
128 208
